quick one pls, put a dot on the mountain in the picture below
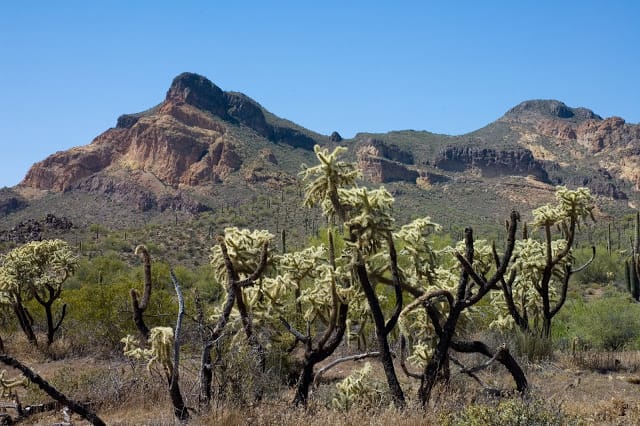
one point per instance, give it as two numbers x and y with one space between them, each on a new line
204 149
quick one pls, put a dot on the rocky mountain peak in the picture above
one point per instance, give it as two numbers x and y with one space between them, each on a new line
549 109
199 92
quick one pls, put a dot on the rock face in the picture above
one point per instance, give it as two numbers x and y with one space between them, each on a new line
492 163
382 163
597 135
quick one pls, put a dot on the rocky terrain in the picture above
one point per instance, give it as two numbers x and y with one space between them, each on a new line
202 145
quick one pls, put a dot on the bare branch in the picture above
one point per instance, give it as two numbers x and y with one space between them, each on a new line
179 408
335 362
395 273
463 369
292 330
403 365
34 377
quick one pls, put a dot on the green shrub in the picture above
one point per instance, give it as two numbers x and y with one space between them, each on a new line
611 322
606 268
511 412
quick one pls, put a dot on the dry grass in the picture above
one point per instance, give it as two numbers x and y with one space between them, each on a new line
581 387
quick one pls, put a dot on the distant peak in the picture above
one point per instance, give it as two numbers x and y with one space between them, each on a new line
550 109
198 91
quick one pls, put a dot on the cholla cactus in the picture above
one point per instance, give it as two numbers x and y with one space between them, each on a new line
328 176
539 276
417 249
576 204
36 270
370 220
359 388
8 384
244 247
161 341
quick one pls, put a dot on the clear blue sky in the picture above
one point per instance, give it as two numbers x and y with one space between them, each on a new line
70 68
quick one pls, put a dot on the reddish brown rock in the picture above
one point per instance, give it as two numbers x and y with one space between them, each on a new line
379 169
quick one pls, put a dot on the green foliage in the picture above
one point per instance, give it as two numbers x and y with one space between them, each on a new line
605 269
510 412
611 322
99 315
532 347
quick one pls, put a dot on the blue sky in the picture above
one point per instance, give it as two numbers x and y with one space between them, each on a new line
70 68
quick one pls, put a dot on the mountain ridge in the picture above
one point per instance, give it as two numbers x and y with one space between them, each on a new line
202 143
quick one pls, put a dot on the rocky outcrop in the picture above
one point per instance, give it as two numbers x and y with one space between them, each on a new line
491 162
601 182
611 132
535 110
33 230
335 137
382 163
391 152
197 91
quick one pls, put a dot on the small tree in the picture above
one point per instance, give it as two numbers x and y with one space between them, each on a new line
36 270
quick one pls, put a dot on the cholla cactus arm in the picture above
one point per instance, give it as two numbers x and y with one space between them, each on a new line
232 277
7 384
161 340
417 248
372 220
244 250
328 176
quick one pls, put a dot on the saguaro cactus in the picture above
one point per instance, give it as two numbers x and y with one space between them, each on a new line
632 265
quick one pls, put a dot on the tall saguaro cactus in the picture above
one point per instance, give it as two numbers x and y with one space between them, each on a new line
632 265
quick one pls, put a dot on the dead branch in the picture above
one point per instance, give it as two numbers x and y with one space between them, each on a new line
333 363
179 408
35 378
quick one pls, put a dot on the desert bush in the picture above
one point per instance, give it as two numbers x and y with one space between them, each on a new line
611 322
100 315
102 386
510 412
605 268
532 347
